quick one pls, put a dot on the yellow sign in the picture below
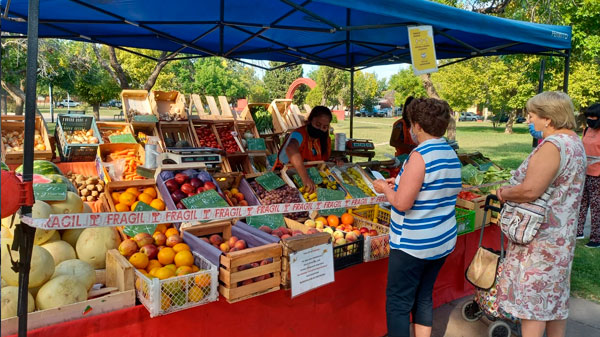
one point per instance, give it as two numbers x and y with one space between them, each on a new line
422 49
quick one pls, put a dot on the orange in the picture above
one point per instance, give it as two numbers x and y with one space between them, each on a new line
202 280
139 260
164 273
122 208
183 270
166 256
347 219
158 204
144 272
133 190
171 231
180 246
165 302
184 258
161 227
115 197
195 269
195 294
333 220
153 271
127 198
153 264
151 191
322 219
171 266
134 205
145 198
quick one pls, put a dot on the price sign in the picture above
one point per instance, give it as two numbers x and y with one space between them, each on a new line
324 194
207 199
270 181
311 268
273 221
124 138
256 144
135 229
314 175
145 118
50 192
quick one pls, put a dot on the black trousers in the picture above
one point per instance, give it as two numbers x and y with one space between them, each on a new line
409 289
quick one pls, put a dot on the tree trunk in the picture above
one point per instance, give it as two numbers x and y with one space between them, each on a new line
17 95
510 122
156 71
429 87
96 109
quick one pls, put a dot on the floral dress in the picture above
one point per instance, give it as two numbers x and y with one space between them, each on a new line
534 282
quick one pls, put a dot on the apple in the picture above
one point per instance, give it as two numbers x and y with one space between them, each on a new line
199 190
205 240
373 232
172 185
215 239
128 247
247 282
181 178
178 195
357 232
312 231
180 205
338 235
310 223
243 203
364 230
195 182
340 241
240 244
266 229
150 250
187 188
224 247
232 241
285 236
328 230
319 224
297 232
159 238
173 240
143 239
209 186
351 237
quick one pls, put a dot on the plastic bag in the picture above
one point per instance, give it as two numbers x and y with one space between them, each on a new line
471 175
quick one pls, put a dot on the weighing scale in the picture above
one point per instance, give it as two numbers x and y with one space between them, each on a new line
206 155
359 144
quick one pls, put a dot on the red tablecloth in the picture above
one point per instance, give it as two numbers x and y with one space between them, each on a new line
354 305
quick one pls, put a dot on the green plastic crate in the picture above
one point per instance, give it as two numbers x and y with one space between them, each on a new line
465 220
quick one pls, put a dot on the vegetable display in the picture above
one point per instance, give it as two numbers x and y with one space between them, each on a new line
81 137
89 188
13 141
262 119
282 195
472 176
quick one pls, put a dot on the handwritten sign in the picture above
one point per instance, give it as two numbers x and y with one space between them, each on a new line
354 191
133 230
271 220
272 158
205 199
324 194
124 138
270 181
311 268
256 144
314 175
50 192
145 118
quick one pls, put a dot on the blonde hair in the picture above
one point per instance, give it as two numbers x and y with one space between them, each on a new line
556 106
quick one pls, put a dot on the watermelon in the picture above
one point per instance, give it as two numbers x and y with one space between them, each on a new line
42 167
58 179
5 167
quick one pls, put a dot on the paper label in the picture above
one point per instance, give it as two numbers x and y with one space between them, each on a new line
311 268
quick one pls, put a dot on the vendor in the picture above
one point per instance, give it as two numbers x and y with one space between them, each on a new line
401 138
307 143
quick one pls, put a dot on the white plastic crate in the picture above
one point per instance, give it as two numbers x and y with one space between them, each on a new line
162 297
376 247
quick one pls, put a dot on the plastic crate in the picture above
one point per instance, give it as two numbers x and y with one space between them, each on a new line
378 246
162 297
376 214
465 220
348 254
76 152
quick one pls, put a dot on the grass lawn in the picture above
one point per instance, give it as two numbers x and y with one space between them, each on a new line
586 273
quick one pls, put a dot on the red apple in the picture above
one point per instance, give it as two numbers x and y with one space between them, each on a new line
178 195
196 182
373 232
181 178
199 190
266 229
209 186
364 230
150 250
173 240
143 239
159 238
172 185
205 240
128 247
187 188
180 205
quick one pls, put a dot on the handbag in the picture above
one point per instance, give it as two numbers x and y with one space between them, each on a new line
483 269
520 222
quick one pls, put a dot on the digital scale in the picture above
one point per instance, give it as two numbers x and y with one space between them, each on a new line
206 155
359 144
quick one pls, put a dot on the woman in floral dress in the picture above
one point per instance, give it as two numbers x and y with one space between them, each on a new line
534 283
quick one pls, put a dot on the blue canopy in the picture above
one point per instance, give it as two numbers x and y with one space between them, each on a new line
340 33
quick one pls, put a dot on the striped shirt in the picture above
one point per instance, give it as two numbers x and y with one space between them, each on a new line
428 230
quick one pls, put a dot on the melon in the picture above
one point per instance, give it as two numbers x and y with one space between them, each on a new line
3 283
60 291
93 243
73 204
59 179
5 233
41 235
60 251
42 167
81 270
42 266
71 235
10 299
54 237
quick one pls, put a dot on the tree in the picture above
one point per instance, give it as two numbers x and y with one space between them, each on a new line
216 76
405 84
330 82
366 89
279 80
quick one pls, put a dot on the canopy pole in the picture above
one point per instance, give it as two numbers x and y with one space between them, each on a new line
352 103
567 66
540 90
24 233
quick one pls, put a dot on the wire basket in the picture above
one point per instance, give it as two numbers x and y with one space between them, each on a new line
465 220
376 214
376 246
161 297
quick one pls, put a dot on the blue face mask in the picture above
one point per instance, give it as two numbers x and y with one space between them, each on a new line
535 134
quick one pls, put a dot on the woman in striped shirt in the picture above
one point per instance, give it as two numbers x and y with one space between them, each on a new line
423 227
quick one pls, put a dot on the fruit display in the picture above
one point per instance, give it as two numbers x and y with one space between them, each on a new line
230 245
126 200
13 141
206 136
182 184
106 133
42 167
263 119
472 176
351 176
284 232
466 195
81 137
89 187
227 139
235 197
283 195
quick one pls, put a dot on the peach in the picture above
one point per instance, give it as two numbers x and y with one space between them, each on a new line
205 240
224 247
285 236
143 239
246 282
351 237
215 239
259 278
240 244
312 231
128 247
232 241
159 239
173 240
266 229
243 203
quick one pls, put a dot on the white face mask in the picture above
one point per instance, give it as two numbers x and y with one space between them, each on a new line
413 136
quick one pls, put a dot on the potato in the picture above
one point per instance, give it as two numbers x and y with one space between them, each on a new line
10 299
60 291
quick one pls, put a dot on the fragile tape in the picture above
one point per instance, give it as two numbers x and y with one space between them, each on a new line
112 219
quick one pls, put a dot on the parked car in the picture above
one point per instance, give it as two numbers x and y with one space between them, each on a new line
68 103
385 112
367 113
115 103
521 119
469 116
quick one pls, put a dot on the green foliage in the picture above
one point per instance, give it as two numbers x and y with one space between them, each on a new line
405 83
279 80
215 76
95 86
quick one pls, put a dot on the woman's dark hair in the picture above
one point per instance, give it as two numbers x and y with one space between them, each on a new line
433 115
320 110
592 111
404 114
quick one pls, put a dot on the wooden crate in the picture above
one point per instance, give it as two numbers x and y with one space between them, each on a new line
17 123
168 106
135 102
297 243
147 132
226 112
278 109
246 114
201 126
105 150
476 205
117 294
288 171
229 126
119 186
229 276
300 116
106 127
177 131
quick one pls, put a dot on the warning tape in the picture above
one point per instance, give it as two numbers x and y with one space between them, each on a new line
112 219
